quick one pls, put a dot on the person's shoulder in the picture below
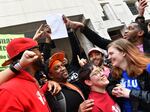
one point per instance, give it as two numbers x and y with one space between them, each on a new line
9 89
148 68
11 85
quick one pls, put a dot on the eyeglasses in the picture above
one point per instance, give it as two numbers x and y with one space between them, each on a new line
96 73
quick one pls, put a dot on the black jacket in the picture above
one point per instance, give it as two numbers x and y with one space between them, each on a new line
73 67
146 43
102 42
95 38
67 100
140 99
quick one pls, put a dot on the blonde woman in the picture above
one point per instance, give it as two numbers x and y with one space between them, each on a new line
130 77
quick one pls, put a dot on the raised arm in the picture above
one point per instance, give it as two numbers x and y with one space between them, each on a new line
44 31
142 4
90 34
27 58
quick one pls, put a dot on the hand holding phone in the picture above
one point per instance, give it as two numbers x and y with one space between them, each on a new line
141 7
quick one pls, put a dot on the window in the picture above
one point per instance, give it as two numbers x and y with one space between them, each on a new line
132 8
104 17
115 34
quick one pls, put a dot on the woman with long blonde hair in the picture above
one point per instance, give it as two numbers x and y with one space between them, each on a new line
130 76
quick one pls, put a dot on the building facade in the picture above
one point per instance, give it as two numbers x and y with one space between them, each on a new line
107 17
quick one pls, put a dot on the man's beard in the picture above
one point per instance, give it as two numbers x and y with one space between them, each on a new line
39 64
97 62
132 40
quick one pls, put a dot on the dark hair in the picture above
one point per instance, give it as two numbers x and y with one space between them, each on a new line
85 71
142 26
140 19
47 70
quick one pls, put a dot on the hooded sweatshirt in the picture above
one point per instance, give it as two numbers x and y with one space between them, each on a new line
22 94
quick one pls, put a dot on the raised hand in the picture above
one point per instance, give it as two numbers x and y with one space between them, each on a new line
72 24
82 61
27 58
43 31
141 7
38 33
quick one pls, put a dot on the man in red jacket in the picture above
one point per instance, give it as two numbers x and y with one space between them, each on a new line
22 93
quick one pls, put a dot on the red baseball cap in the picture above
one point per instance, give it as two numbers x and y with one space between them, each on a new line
18 45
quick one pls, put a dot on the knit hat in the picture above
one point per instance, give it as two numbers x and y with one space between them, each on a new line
17 46
56 56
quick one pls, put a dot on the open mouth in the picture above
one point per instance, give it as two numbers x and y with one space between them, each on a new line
125 36
65 74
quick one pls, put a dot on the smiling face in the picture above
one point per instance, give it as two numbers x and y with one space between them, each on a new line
132 32
59 72
98 78
96 58
117 57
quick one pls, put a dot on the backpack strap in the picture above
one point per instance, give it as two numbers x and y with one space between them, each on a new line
61 101
57 102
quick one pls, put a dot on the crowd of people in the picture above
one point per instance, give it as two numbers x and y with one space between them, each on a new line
38 81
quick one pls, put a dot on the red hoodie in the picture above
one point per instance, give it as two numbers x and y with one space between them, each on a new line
22 94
